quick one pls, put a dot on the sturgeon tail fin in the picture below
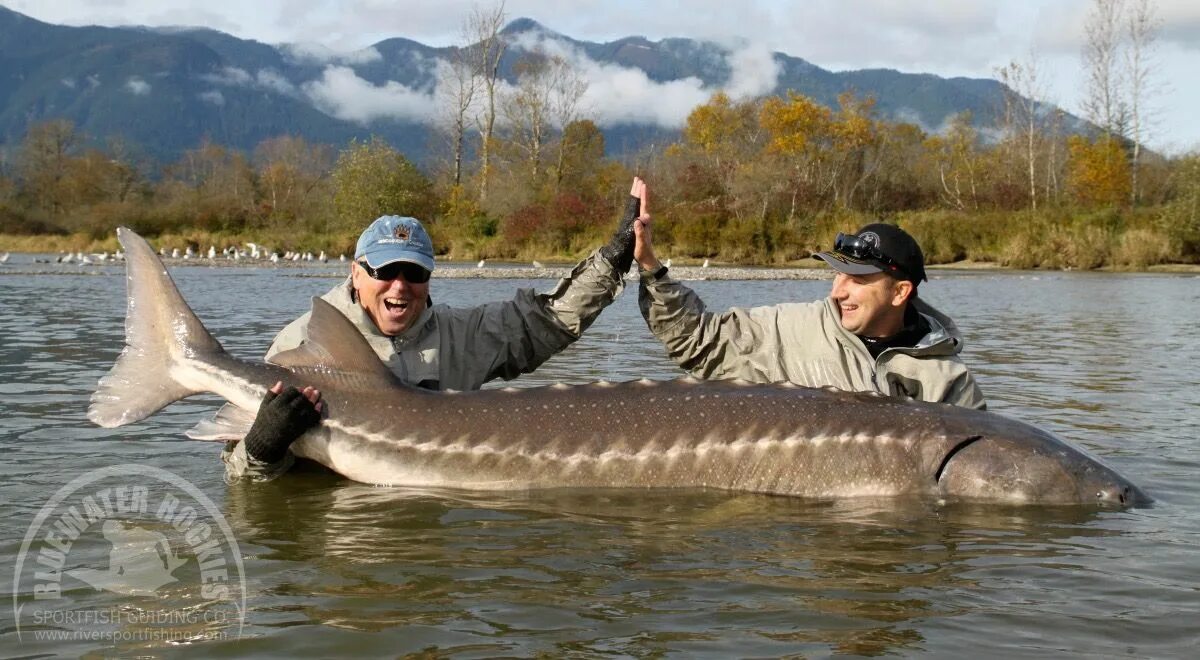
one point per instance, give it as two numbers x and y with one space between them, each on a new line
161 335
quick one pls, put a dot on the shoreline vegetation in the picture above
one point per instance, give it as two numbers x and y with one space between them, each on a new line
1108 240
756 183
1139 252
42 263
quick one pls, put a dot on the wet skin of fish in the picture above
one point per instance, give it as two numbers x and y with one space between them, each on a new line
729 435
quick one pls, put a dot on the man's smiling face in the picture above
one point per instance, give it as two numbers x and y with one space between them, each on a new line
870 305
394 305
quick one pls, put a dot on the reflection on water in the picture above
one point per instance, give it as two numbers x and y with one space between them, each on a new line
336 567
580 570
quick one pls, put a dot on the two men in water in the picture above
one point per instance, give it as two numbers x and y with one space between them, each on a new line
871 334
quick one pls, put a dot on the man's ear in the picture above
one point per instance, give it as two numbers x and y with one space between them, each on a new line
902 292
356 272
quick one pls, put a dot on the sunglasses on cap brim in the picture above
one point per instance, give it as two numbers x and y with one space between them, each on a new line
852 246
409 271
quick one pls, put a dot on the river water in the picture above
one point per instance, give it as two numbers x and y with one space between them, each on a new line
334 568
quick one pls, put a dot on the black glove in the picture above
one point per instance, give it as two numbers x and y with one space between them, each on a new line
281 419
619 250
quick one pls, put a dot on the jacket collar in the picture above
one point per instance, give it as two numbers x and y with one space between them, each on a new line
943 337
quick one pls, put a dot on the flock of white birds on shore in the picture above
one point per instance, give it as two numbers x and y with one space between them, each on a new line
251 252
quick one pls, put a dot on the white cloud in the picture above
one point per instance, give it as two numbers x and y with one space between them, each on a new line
313 53
265 79
618 95
137 86
230 75
935 19
340 93
755 72
1061 27
621 95
1180 23
271 79
911 116
960 38
214 97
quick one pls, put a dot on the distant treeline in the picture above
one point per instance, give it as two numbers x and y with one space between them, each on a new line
765 181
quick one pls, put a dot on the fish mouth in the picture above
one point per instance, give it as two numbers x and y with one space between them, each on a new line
1123 495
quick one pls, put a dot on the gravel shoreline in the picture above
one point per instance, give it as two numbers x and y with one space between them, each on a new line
37 265
444 272
678 272
27 264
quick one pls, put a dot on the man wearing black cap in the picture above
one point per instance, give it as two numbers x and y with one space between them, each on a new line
872 334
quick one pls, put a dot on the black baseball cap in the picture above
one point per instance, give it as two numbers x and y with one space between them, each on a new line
877 247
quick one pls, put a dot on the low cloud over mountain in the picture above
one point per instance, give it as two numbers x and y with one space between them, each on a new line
167 90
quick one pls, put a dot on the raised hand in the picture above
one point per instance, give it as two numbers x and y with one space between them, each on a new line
619 250
643 249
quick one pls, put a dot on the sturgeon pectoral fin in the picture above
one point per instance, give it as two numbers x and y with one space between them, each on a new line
230 423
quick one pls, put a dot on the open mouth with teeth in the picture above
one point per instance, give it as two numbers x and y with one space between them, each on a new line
395 305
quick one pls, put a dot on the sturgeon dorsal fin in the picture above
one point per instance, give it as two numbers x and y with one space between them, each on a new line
335 348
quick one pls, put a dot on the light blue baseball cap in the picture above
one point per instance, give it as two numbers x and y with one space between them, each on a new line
392 238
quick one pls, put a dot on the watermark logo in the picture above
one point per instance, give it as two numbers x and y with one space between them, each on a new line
141 560
129 552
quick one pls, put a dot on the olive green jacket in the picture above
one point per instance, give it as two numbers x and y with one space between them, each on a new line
804 344
463 348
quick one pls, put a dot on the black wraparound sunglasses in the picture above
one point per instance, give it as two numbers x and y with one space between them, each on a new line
856 248
411 272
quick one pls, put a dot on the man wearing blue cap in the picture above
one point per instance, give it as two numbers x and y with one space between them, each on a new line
437 347
872 334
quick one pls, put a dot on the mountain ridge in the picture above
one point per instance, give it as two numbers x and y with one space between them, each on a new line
168 89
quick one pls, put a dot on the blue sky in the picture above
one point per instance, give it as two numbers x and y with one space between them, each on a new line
944 37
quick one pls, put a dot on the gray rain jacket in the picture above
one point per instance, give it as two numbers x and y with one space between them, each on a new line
461 349
805 344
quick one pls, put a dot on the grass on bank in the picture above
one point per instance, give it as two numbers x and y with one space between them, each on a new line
1046 239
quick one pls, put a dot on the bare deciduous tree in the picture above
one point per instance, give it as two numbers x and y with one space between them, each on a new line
1023 94
545 100
457 88
486 49
1141 28
1103 103
955 154
290 173
42 161
569 86
526 109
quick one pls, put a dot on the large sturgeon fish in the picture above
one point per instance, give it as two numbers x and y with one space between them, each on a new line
784 440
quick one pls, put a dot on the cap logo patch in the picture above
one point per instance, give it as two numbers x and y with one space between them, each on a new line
401 232
870 238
